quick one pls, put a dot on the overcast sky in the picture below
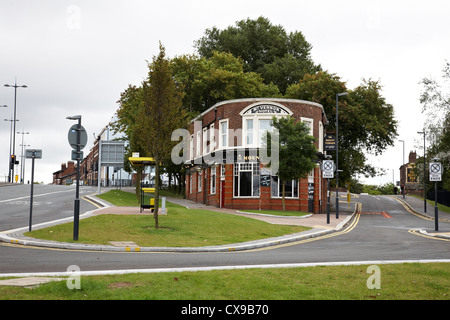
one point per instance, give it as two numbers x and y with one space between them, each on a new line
76 57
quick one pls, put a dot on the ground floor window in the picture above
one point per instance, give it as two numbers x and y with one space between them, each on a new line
246 180
291 190
213 180
199 182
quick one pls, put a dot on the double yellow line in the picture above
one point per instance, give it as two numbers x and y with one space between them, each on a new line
349 228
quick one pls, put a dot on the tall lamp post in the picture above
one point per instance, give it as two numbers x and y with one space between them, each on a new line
403 162
15 86
21 155
337 152
424 171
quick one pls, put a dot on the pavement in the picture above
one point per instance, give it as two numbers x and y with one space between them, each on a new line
416 206
317 222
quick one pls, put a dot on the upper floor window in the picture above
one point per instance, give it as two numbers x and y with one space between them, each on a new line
223 139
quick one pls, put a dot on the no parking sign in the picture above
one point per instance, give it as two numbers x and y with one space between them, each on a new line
435 171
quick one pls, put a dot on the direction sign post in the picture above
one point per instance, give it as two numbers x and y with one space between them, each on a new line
328 169
328 173
32 154
435 175
77 139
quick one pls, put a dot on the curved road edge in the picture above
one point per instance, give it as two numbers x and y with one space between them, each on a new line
16 236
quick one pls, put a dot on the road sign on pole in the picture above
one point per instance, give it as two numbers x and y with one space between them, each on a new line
328 169
32 154
72 136
435 171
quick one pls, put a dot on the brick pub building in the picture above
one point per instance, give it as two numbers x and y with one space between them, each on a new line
224 167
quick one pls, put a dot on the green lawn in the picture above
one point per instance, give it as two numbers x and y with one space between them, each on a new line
409 281
432 203
181 227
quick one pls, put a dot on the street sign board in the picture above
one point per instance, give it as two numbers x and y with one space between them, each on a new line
76 156
72 136
435 171
329 142
328 169
112 153
36 153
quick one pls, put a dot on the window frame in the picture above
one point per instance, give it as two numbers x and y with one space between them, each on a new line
222 134
254 169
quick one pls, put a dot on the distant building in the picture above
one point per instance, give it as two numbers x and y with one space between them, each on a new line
66 175
409 177
89 168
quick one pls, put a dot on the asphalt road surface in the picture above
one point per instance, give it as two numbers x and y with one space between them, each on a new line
49 203
384 231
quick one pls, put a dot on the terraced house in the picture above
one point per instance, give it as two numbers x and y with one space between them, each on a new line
226 167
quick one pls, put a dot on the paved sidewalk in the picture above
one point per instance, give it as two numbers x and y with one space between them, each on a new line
417 206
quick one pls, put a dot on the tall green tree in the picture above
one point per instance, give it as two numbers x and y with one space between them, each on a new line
267 49
297 153
130 103
366 121
435 99
160 114
207 81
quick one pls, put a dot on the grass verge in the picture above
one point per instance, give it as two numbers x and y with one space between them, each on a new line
408 281
181 227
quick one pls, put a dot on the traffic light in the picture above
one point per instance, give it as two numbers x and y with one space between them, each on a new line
13 161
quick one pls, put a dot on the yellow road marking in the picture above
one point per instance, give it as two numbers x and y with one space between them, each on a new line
91 202
348 229
417 233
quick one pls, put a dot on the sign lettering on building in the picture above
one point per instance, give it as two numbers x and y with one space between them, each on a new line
329 141
266 108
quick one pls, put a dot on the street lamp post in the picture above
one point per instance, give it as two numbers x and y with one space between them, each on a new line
15 86
337 152
22 156
424 171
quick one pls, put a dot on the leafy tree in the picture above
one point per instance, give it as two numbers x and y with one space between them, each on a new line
129 104
296 150
366 120
161 113
207 81
280 58
435 99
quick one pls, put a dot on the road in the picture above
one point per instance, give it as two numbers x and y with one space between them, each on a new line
372 236
49 203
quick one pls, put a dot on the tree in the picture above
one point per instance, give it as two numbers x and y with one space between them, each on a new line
207 81
296 150
160 114
366 120
280 58
130 103
435 99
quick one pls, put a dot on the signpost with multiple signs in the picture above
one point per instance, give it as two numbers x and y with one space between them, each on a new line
32 154
436 176
77 137
435 171
328 169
